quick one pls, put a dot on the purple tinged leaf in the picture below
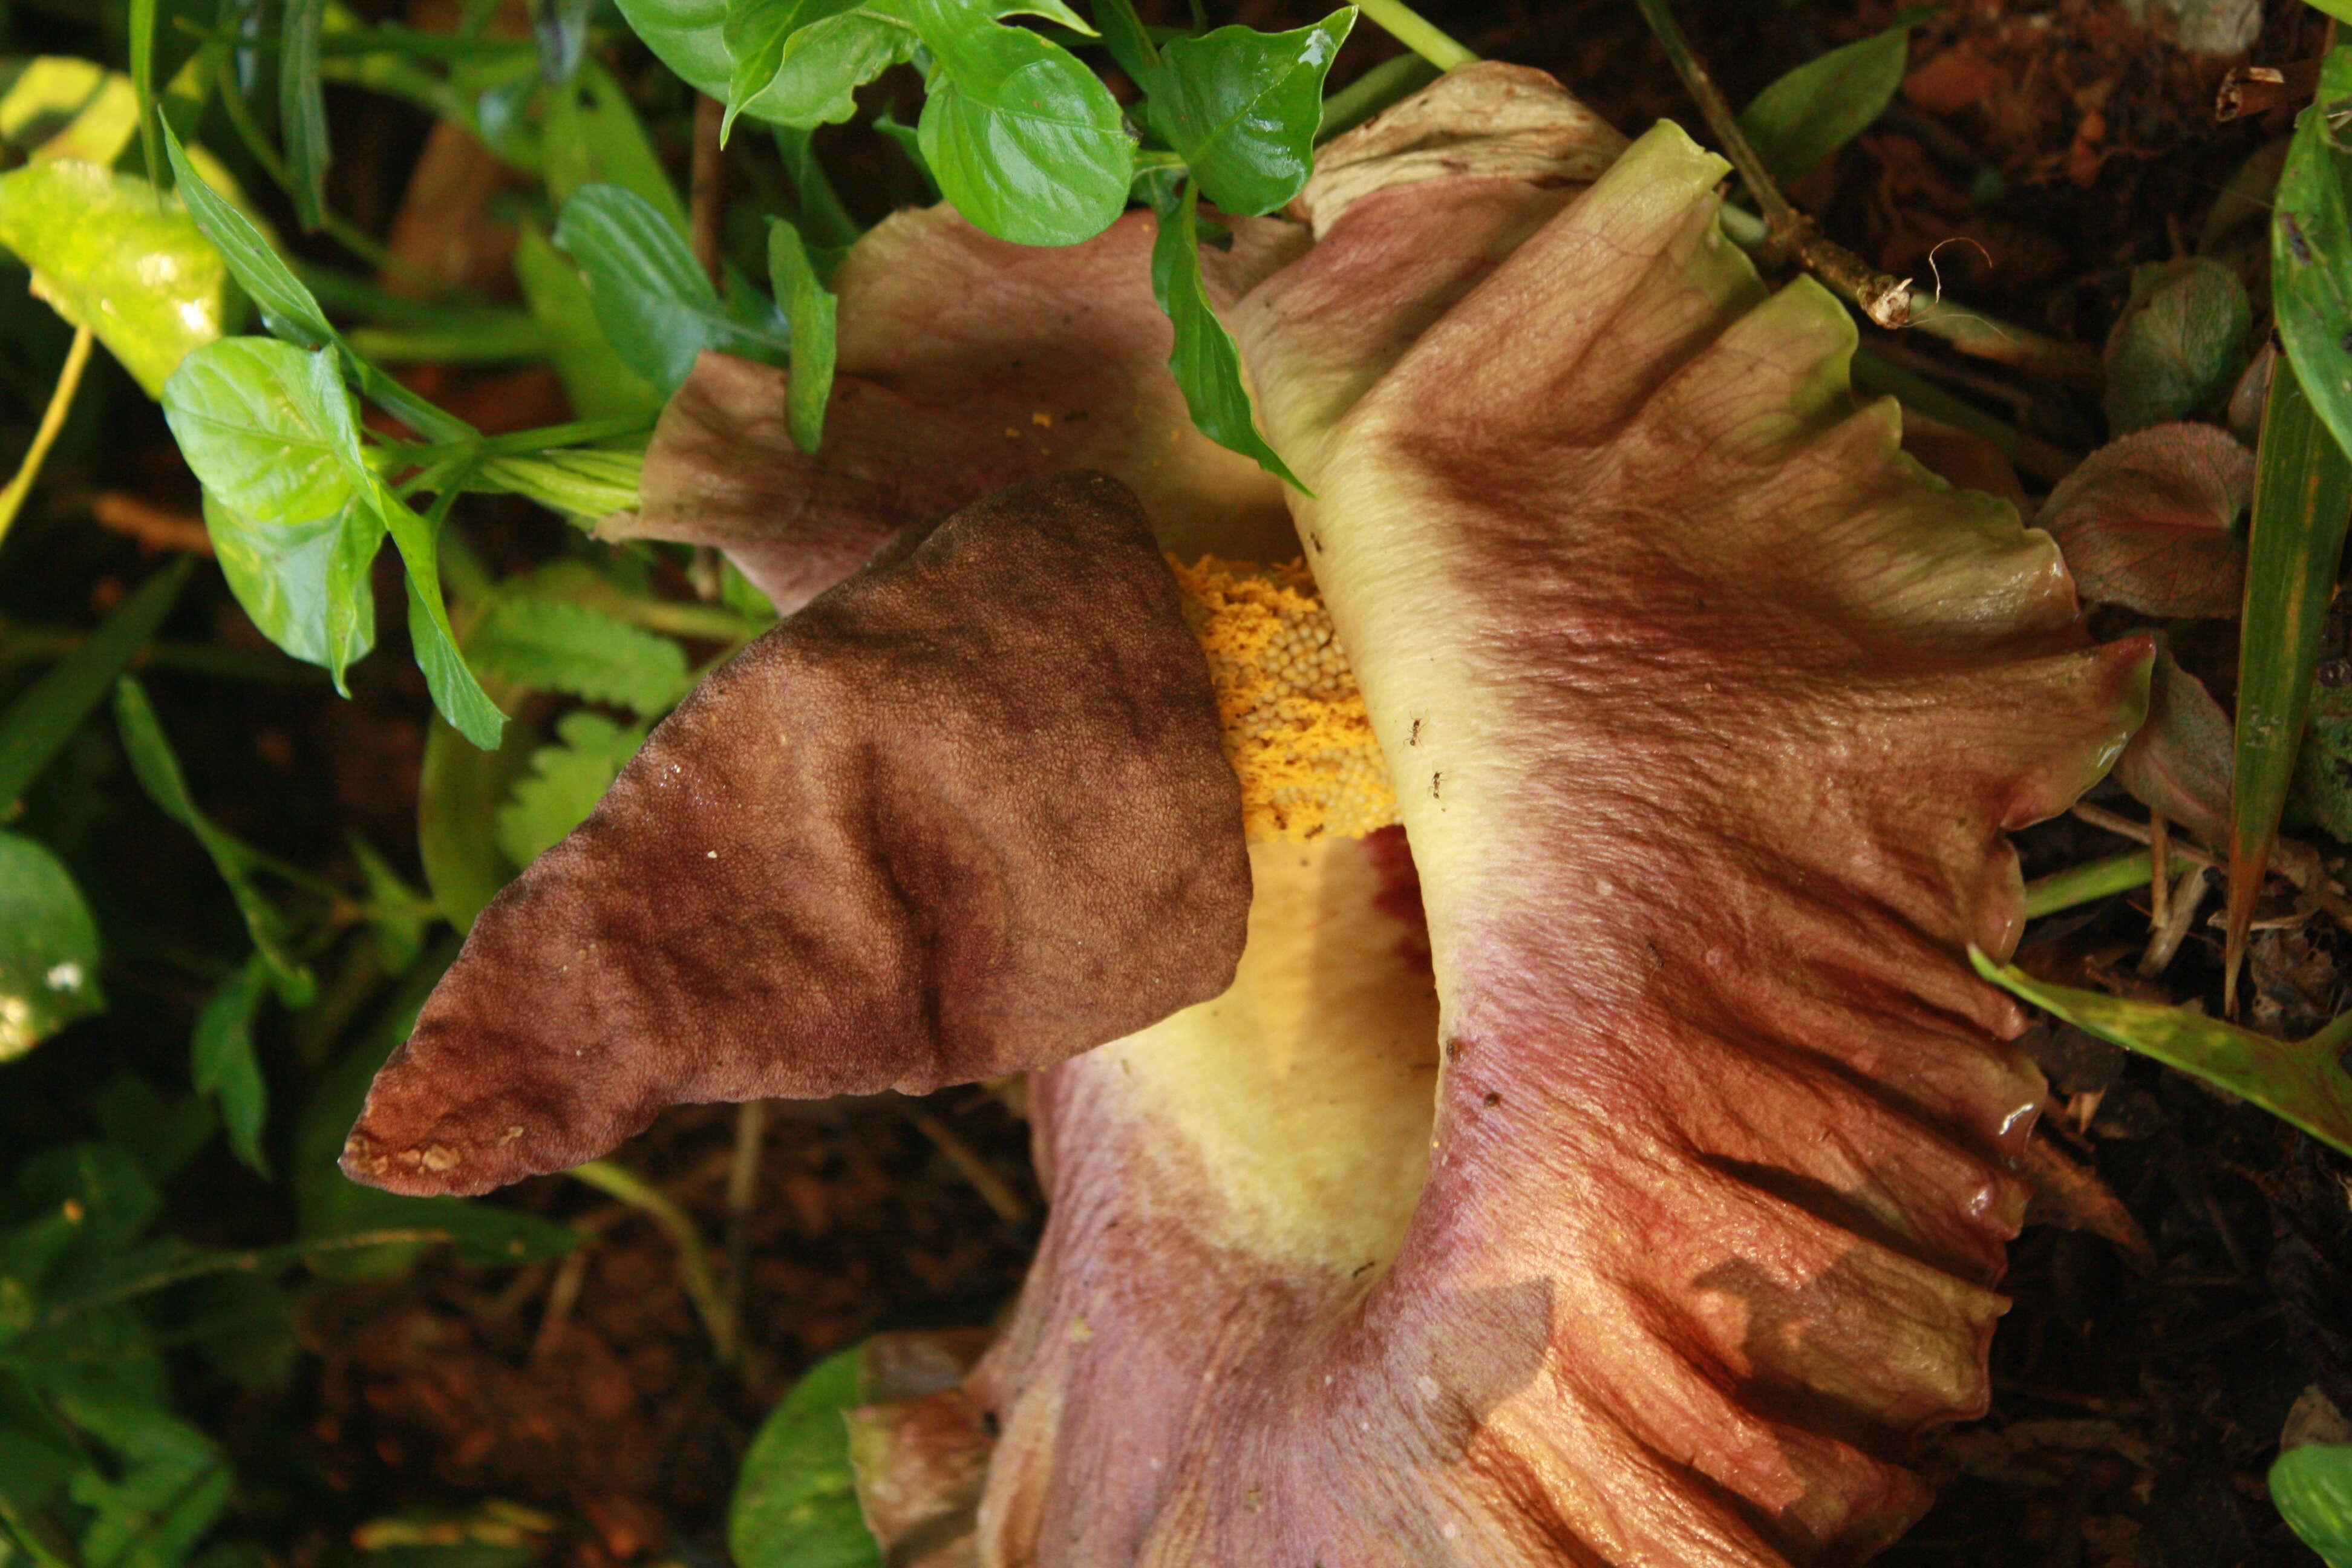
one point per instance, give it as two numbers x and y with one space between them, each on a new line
2181 762
2146 522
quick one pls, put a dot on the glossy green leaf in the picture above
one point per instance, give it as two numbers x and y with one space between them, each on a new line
48 713
1798 120
1242 107
812 309
1124 35
796 1498
158 772
303 108
226 1066
62 106
286 307
565 782
594 137
2178 346
111 254
267 428
656 304
2303 498
456 693
2312 1486
48 947
304 585
2311 250
552 644
1206 363
687 36
796 62
2301 1081
596 379
1023 139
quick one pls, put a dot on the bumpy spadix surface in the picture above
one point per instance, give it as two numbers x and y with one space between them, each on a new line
1706 712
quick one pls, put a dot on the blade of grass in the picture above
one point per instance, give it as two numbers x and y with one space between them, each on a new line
53 419
302 110
2303 496
143 85
2299 1081
52 708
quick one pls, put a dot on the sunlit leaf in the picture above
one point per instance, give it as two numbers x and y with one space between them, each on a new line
687 37
2299 1080
1023 139
304 583
61 106
267 428
111 254
286 307
1242 107
1207 365
48 947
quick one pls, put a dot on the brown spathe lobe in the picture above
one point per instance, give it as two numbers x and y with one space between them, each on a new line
965 813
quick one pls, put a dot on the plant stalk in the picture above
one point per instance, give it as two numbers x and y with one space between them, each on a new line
1886 300
1417 33
45 435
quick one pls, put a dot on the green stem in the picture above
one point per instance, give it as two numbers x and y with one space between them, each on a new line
693 1257
1416 32
53 419
253 1262
1885 300
2095 880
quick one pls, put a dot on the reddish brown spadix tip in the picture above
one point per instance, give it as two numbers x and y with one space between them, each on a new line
965 813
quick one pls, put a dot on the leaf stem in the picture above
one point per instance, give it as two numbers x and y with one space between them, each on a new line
1415 32
53 419
2096 879
1886 300
693 1257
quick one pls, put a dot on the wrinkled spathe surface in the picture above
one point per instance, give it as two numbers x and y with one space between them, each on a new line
964 814
1707 711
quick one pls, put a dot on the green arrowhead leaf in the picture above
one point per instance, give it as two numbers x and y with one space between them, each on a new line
796 62
1242 107
687 36
1207 365
267 428
112 254
48 947
1025 139
303 583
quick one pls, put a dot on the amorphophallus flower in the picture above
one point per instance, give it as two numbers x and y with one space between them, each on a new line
1622 1176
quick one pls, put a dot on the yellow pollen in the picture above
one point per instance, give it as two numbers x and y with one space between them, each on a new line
1294 719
